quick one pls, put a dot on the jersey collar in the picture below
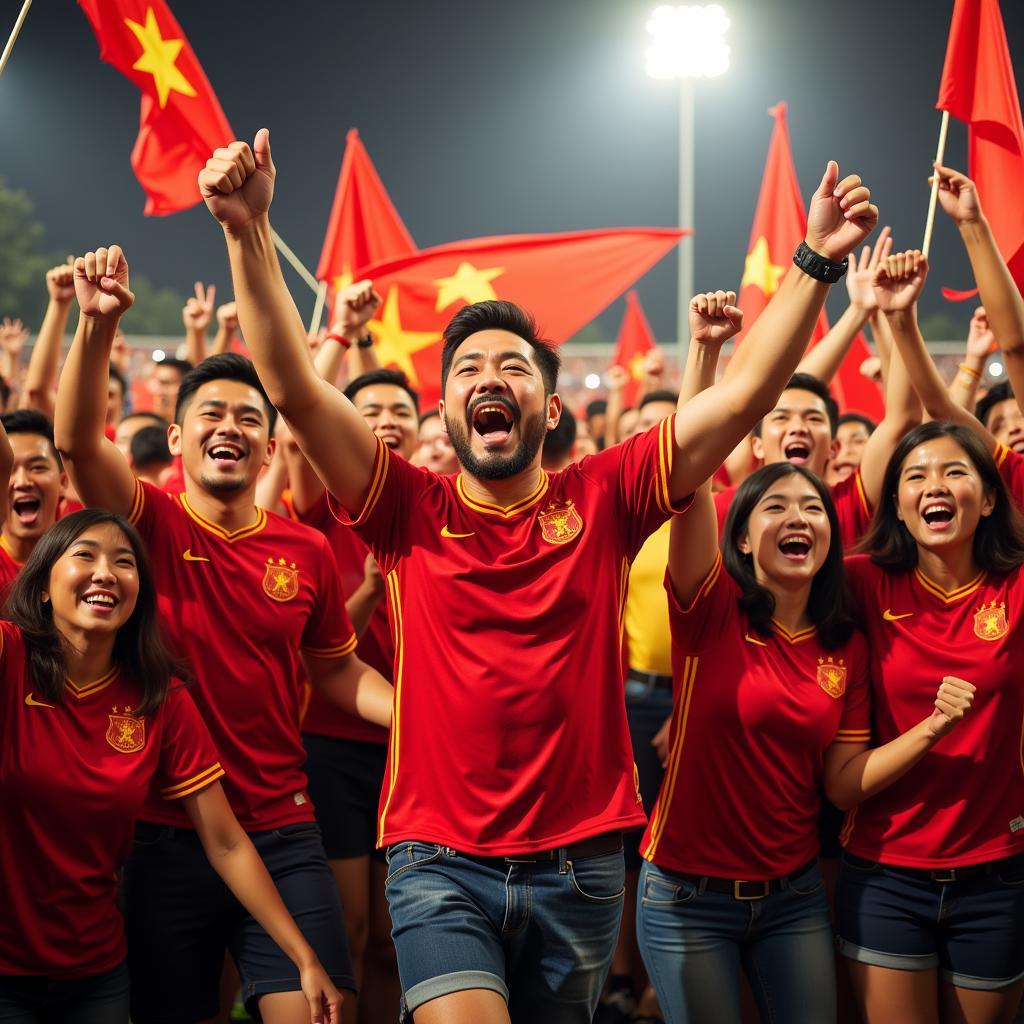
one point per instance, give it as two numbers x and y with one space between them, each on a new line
794 638
949 596
504 511
218 531
88 689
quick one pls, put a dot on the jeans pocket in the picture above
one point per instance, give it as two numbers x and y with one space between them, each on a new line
1011 874
403 857
148 836
300 830
660 890
807 882
599 879
858 867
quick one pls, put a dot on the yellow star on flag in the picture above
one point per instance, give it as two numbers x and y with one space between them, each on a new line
343 280
636 366
395 345
467 283
759 269
158 57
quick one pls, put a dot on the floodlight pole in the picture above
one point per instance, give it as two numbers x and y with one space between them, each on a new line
686 135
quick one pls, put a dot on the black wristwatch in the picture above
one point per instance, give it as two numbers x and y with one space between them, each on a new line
366 341
817 266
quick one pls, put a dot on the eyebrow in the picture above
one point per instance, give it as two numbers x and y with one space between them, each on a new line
95 544
502 357
945 465
793 408
219 403
783 497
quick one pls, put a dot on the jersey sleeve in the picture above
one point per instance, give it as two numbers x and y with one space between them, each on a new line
188 758
852 509
395 489
1011 469
318 515
328 632
706 619
855 721
151 510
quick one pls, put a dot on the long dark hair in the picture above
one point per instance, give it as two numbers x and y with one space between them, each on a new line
830 606
139 648
999 538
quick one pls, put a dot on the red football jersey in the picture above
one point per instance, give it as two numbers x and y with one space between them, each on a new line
852 508
375 647
509 733
73 779
1011 468
9 565
963 802
751 720
238 607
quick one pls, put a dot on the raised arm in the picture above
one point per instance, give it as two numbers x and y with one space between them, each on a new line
238 186
100 473
227 324
37 391
823 361
1000 296
981 343
898 285
196 316
617 378
693 541
710 426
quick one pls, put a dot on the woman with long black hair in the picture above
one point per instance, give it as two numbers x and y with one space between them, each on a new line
90 717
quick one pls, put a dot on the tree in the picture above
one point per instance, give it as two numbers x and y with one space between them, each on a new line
23 263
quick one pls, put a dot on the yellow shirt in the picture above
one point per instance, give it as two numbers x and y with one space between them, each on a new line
647 630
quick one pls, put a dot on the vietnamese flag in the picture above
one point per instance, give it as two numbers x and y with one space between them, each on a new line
364 227
780 223
180 121
635 340
564 280
978 86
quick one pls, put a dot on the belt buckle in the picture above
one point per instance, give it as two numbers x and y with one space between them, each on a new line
738 894
944 876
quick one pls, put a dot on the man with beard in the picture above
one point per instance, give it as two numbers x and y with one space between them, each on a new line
251 601
510 776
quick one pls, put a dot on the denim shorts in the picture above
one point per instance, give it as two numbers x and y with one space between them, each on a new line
971 930
180 918
541 935
97 999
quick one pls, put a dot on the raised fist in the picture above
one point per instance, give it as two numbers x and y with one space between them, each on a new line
60 283
953 700
227 316
617 377
653 366
101 283
354 307
860 278
198 309
958 195
237 182
714 317
899 280
841 215
981 339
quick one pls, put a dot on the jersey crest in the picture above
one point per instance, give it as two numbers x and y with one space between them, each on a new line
990 622
560 523
280 580
832 676
126 733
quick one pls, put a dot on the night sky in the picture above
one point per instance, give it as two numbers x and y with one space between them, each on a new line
491 118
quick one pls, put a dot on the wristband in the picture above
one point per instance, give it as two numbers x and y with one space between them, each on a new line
819 267
339 338
969 371
366 341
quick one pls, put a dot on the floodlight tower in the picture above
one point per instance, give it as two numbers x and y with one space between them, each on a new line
687 43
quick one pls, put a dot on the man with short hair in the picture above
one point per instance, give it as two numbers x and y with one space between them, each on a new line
131 424
251 601
435 450
150 455
852 432
35 487
164 380
510 776
1000 413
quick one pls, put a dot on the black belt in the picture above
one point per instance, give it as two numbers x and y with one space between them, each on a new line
651 679
943 876
596 846
740 889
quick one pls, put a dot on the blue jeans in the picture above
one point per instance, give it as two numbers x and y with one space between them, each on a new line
541 935
99 999
695 943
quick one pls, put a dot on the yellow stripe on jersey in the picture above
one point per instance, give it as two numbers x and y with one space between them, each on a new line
950 596
663 807
193 785
859 482
381 461
88 689
138 503
847 830
395 608
852 736
1000 453
794 638
7 547
229 535
712 577
338 651
505 511
666 451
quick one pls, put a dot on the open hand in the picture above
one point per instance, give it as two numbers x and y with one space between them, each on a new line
354 307
981 339
861 275
958 195
101 283
714 317
899 280
237 182
198 311
13 335
841 215
953 700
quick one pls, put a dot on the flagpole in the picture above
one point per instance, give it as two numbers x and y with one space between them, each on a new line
14 35
318 308
295 262
940 151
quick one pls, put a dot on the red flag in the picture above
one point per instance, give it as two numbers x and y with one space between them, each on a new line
364 227
181 122
978 86
565 280
780 223
635 340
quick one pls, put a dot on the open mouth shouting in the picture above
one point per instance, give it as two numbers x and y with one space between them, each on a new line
938 514
26 508
797 452
225 453
796 547
493 419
